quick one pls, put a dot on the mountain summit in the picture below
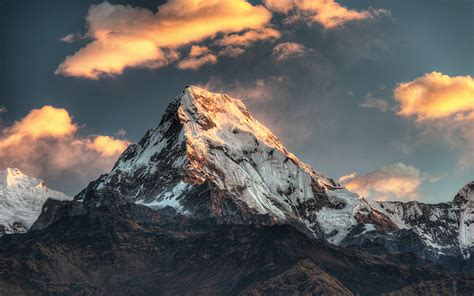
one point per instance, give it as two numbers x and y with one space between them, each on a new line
210 158
21 199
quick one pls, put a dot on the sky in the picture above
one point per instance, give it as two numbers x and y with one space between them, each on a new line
376 94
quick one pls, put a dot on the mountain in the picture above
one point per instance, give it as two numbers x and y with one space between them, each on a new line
129 249
443 225
210 202
21 200
210 158
439 232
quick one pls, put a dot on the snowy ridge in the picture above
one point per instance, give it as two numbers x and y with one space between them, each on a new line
443 227
210 157
21 200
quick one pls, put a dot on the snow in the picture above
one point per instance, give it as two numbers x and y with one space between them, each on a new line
170 198
22 197
340 220
394 210
244 153
454 220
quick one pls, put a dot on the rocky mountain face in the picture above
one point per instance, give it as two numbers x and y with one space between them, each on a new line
129 249
21 200
210 158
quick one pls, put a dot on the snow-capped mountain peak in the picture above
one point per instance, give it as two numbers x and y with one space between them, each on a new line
210 157
21 200
213 120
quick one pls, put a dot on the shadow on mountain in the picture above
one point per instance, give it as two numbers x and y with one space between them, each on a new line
121 248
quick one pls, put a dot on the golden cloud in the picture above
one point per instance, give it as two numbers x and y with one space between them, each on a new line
286 50
394 182
249 37
46 144
45 122
196 62
131 37
435 95
443 106
198 51
109 146
328 13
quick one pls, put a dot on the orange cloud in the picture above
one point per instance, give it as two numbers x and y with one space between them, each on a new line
249 37
375 103
231 51
109 146
46 144
198 51
435 95
286 50
196 62
394 182
443 106
45 122
132 37
328 13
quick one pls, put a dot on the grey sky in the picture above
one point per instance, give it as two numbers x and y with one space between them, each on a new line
311 101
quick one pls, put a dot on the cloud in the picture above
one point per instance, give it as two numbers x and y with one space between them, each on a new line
46 143
231 51
39 123
256 90
197 50
108 146
394 182
442 106
374 103
120 133
247 38
328 13
69 38
435 95
132 37
379 104
195 63
286 50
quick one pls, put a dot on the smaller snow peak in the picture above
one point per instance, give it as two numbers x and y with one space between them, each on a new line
21 199
217 114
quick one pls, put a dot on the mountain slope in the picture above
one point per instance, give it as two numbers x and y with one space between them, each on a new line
21 200
443 233
447 228
210 158
129 249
